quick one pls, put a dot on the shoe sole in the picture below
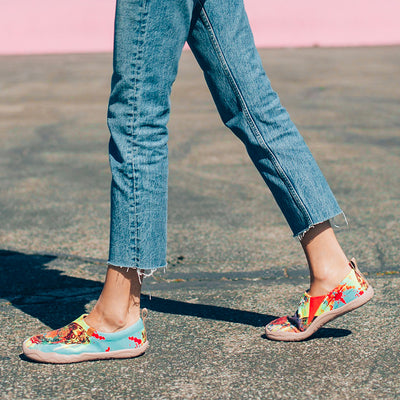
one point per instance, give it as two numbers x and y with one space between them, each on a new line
321 320
55 358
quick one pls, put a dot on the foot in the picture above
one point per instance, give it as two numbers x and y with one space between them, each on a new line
315 311
327 262
78 342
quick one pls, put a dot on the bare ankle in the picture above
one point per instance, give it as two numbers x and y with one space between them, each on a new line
111 322
330 271
326 279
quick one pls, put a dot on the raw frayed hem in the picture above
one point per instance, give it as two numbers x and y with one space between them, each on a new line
334 224
142 273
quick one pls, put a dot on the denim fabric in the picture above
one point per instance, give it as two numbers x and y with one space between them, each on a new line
149 37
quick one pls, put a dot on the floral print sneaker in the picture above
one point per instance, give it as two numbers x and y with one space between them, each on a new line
315 311
78 342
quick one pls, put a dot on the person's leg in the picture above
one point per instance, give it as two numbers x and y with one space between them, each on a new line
149 37
223 45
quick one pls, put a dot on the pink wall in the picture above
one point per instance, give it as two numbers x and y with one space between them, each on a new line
54 26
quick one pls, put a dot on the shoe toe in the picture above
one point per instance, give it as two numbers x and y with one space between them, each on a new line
281 324
33 341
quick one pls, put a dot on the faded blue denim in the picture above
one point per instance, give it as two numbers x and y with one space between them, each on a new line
149 37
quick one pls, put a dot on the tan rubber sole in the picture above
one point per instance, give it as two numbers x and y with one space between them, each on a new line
321 320
55 358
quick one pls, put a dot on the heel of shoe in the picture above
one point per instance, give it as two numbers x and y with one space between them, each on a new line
353 264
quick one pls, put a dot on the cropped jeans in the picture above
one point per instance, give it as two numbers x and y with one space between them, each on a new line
149 37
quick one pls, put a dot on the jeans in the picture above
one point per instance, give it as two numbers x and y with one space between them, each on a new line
149 37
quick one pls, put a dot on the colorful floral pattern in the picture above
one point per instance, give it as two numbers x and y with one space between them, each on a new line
73 333
353 286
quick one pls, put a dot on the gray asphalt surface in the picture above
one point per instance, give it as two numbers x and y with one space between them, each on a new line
233 265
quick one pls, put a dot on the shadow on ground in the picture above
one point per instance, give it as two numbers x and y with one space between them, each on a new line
56 299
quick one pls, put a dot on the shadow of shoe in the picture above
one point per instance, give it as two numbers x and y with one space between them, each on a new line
330 333
323 333
56 299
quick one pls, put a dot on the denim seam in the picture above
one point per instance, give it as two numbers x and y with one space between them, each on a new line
250 120
133 200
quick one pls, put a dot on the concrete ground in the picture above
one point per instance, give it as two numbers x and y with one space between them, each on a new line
233 265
